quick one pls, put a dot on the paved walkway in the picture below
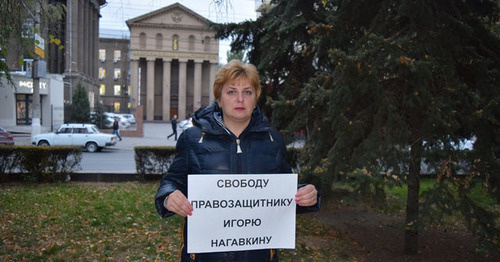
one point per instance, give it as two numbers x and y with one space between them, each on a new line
155 134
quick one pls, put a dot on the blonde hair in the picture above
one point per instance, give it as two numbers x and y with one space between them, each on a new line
235 70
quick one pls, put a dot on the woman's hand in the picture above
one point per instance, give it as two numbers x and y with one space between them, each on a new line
306 196
178 203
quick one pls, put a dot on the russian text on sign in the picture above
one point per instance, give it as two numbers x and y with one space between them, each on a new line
248 241
241 212
242 203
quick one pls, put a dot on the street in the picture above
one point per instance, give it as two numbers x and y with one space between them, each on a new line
109 160
119 158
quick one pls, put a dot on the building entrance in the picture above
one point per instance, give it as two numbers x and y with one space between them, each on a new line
24 110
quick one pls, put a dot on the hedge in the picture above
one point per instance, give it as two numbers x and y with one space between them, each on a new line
154 161
38 164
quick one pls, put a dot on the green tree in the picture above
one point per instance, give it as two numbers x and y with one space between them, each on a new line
382 87
81 105
17 28
239 55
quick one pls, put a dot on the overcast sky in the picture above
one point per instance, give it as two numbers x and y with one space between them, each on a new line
116 12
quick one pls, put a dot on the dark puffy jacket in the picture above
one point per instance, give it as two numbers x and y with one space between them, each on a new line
209 148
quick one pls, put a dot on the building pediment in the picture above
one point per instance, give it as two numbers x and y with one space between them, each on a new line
172 16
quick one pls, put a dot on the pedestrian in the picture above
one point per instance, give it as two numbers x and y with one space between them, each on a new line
174 128
230 136
116 128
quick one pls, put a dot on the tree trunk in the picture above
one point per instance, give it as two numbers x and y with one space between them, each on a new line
412 203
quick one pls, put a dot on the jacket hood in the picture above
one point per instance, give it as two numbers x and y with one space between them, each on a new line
209 120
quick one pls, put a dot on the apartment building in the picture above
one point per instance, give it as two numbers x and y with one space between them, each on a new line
114 74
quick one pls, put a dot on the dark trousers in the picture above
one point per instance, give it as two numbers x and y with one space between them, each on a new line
173 133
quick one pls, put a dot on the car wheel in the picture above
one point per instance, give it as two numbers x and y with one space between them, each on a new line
91 147
43 143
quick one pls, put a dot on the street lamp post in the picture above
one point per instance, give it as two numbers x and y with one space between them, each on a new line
38 70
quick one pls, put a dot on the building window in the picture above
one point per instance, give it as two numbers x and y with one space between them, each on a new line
102 55
175 42
191 43
117 90
117 56
117 106
27 64
24 109
142 40
102 73
91 100
206 44
117 74
159 41
102 89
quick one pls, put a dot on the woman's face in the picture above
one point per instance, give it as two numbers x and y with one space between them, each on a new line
238 99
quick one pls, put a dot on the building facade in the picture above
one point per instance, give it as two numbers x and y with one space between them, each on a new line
16 103
114 75
82 41
77 61
174 58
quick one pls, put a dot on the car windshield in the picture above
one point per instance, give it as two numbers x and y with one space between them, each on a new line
95 129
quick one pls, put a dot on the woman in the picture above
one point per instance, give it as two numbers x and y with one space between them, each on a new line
231 136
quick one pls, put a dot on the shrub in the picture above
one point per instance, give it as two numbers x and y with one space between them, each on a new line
39 164
8 161
153 160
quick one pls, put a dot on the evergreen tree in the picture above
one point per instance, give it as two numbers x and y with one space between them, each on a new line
239 55
97 116
81 105
382 87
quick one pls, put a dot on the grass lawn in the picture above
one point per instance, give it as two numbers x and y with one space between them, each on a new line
113 222
118 222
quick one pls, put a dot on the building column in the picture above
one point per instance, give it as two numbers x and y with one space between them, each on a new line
197 86
73 43
213 71
182 89
94 53
94 18
134 79
150 92
166 89
81 38
86 38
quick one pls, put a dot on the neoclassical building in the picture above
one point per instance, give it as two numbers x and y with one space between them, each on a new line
173 60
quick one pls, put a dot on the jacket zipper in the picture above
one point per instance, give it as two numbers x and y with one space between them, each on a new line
238 157
238 148
201 138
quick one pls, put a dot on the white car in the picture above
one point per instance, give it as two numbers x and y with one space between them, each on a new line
129 117
109 118
84 135
185 124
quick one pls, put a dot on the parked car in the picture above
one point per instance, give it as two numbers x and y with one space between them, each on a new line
185 124
109 118
84 135
129 117
6 137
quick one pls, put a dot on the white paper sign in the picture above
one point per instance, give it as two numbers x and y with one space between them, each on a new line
241 212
